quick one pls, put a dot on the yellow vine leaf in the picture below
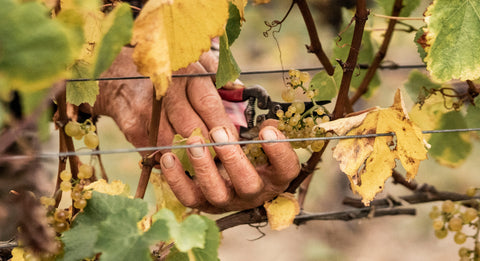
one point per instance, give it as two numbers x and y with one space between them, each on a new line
260 2
165 198
282 211
116 187
169 35
368 162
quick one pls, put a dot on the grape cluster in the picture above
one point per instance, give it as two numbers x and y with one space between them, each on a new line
84 130
453 217
60 219
297 122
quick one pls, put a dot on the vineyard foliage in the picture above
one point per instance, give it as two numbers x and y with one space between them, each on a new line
43 43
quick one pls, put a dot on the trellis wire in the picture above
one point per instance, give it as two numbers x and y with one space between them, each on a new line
244 142
361 66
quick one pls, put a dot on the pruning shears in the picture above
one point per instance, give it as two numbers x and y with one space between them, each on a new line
258 94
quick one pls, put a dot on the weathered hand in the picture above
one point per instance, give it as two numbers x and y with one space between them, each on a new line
233 183
229 183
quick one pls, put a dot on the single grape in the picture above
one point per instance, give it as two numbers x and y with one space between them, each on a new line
66 186
76 195
86 169
61 226
280 114
448 206
47 201
60 215
288 114
309 122
455 224
469 215
304 77
320 111
438 224
442 233
80 204
73 129
292 108
288 95
281 125
471 191
87 194
91 140
299 106
310 94
293 121
463 252
460 238
317 145
65 175
295 82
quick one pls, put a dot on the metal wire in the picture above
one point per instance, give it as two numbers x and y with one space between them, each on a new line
361 66
45 155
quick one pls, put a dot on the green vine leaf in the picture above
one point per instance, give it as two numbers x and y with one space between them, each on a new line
326 85
417 83
453 34
473 114
420 49
210 250
182 153
228 70
108 225
82 91
449 149
188 234
105 35
408 6
35 49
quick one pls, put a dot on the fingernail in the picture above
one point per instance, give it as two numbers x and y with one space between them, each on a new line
196 152
269 134
168 161
219 135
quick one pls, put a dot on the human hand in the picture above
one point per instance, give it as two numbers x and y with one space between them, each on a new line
233 183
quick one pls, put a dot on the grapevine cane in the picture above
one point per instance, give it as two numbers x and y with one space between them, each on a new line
382 51
66 143
148 162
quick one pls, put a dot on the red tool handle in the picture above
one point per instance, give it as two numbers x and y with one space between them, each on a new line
235 95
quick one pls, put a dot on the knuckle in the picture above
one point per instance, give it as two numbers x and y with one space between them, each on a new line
210 103
249 190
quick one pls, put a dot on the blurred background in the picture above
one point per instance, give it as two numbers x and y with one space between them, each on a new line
387 238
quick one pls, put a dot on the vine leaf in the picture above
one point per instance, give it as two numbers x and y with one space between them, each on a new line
449 149
453 31
108 225
240 4
105 36
281 211
368 162
164 196
326 85
170 35
228 70
188 234
35 49
408 6
115 187
210 250
418 85
182 153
